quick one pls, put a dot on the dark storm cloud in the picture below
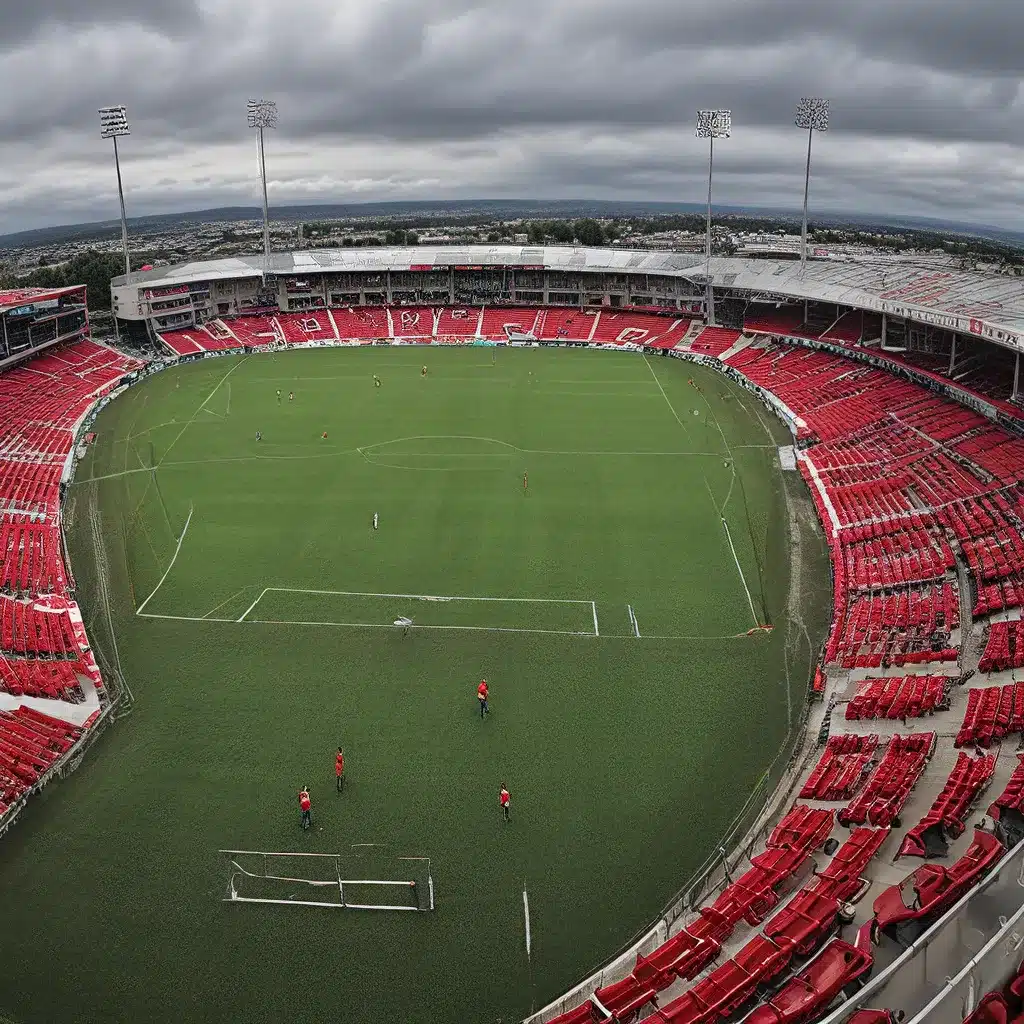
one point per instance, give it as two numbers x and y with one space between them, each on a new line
21 20
423 98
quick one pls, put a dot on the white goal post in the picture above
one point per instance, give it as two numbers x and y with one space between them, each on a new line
317 880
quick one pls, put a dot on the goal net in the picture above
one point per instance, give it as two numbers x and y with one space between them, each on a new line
357 880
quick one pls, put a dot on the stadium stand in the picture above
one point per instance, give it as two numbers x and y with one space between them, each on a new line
912 491
43 648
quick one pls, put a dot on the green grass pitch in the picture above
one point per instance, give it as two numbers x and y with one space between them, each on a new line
626 756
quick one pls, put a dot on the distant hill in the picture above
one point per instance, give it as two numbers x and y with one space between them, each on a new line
507 209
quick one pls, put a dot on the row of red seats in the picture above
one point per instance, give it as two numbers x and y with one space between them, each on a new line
809 917
945 818
30 629
30 744
55 679
841 769
910 626
996 451
754 893
991 713
1004 647
297 328
31 561
254 330
426 323
1012 796
898 558
886 791
713 341
30 487
901 697
796 930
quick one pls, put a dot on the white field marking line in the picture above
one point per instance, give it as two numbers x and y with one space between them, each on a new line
201 408
253 605
424 597
383 465
416 626
225 601
668 402
361 451
593 607
174 557
494 629
157 426
483 378
526 914
505 444
750 600
182 618
721 510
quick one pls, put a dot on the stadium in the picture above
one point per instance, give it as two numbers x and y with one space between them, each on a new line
744 577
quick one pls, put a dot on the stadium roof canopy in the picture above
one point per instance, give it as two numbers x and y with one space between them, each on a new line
16 298
988 305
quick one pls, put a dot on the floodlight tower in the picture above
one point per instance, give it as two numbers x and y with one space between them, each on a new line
812 114
113 124
711 125
263 114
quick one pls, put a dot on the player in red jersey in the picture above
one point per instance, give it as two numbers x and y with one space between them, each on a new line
481 696
305 808
505 800
339 768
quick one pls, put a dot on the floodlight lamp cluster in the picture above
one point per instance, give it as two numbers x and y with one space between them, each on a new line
114 122
714 124
812 113
262 113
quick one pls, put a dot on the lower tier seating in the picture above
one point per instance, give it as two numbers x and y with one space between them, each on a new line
945 819
992 713
886 791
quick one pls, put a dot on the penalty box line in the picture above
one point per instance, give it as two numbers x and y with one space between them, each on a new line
696 637
362 625
441 599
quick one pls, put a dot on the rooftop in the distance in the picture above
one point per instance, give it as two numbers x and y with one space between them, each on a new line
15 298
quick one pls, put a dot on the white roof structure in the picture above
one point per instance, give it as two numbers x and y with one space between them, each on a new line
987 305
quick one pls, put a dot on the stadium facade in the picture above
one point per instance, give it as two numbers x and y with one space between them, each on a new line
907 297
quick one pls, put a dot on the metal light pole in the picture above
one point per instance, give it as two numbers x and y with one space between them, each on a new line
812 114
114 123
263 114
711 125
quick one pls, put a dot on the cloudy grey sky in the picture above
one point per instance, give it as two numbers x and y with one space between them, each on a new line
410 99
